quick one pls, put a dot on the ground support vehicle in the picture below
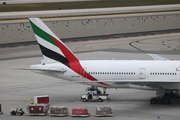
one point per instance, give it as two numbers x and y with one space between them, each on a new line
43 99
93 89
80 112
90 96
104 112
38 109
17 111
58 111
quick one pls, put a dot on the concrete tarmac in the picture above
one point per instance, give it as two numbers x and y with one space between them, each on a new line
17 86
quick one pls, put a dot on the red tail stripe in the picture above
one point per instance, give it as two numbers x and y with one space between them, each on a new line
74 62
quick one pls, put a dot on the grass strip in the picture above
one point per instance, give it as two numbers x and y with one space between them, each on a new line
82 5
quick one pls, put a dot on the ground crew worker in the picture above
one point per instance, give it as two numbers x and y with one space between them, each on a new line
32 101
104 90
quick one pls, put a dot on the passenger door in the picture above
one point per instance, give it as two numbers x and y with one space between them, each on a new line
142 73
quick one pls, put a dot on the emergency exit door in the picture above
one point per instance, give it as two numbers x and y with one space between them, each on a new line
142 73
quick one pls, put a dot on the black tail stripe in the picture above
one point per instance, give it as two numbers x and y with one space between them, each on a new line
53 55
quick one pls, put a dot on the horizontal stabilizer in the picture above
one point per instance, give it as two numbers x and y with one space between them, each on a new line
51 68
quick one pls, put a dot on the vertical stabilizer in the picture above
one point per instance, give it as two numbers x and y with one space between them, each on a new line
52 48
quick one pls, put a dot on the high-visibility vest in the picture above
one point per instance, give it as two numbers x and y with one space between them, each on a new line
104 90
32 101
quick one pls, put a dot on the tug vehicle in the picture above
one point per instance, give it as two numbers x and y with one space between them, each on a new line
17 111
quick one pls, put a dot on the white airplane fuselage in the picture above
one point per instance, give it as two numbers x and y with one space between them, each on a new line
120 73
160 74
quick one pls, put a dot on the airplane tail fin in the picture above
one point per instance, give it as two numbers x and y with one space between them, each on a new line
52 48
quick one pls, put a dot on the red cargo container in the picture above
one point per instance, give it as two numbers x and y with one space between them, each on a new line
80 111
0 109
38 109
44 99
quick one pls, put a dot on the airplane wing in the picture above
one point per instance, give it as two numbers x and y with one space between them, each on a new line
158 57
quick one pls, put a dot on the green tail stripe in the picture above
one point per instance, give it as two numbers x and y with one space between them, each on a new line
39 32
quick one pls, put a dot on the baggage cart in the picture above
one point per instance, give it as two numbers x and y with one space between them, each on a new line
59 111
80 112
104 112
